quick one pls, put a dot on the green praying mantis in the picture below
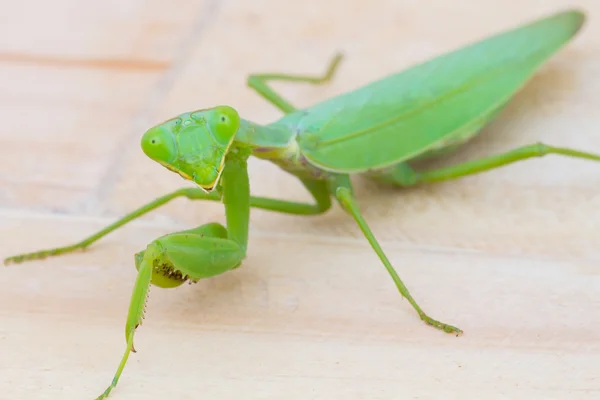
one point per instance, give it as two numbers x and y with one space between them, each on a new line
375 131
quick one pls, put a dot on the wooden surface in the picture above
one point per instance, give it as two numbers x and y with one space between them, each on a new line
511 256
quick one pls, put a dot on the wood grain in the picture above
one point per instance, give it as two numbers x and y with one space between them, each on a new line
511 256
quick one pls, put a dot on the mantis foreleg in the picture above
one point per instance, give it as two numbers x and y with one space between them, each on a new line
193 254
171 260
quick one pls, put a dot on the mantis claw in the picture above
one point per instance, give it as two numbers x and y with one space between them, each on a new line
39 255
113 384
440 325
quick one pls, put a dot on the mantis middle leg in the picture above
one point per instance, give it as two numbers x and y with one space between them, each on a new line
342 189
317 189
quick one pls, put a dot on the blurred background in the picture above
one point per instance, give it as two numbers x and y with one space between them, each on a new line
510 256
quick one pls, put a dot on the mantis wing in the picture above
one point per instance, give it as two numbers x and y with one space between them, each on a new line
446 99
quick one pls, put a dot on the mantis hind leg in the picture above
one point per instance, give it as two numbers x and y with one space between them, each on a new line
317 189
344 194
403 175
259 83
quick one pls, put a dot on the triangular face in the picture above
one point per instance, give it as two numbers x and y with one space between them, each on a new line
194 144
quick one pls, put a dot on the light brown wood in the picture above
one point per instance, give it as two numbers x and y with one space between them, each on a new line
511 256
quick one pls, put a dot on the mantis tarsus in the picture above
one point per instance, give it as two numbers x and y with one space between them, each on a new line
376 131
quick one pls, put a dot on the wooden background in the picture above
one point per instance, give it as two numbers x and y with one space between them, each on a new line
511 256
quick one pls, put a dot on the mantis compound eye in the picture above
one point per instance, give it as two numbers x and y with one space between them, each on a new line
158 143
224 122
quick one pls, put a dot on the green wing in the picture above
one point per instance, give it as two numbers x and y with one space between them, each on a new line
406 114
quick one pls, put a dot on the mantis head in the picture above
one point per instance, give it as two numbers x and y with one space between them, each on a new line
194 144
